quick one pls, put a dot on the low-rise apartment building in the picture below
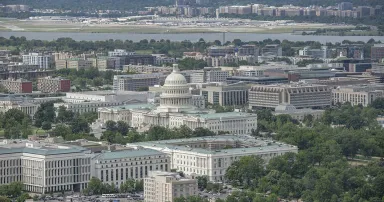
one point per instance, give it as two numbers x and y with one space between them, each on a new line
166 186
17 86
377 52
53 84
296 94
74 63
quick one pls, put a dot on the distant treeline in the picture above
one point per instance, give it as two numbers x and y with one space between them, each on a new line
132 5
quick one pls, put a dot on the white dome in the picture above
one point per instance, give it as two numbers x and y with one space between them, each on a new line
175 78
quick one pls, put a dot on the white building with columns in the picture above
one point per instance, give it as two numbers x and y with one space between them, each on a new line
211 156
119 166
176 109
43 167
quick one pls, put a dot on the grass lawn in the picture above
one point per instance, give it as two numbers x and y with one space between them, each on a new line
35 131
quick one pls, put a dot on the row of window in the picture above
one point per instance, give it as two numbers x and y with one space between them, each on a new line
136 172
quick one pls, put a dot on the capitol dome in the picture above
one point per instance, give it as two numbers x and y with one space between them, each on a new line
175 96
175 78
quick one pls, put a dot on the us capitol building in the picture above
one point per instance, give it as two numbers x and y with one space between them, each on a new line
176 109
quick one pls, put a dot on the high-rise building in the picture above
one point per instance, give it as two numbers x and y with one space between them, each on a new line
377 52
345 6
166 186
17 86
53 84
272 49
43 61
363 11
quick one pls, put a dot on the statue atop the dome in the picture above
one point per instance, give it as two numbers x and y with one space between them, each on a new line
176 68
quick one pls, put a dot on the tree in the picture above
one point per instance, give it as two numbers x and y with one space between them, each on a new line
45 112
46 125
247 171
127 186
191 64
201 132
12 129
4 199
308 119
95 186
64 115
26 127
80 125
139 185
202 182
122 128
23 197
110 126
90 117
190 199
61 130
15 114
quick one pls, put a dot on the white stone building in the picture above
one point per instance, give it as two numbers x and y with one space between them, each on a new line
83 107
177 109
119 166
363 94
165 186
211 156
44 168
297 114
105 96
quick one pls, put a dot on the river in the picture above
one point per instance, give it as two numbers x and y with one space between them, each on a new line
185 36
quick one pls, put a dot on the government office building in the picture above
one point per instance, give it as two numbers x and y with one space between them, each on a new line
211 156
176 109
44 168
119 166
296 94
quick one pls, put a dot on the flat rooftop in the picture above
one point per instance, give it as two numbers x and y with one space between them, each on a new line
107 92
292 85
247 145
128 154
32 147
224 115
132 106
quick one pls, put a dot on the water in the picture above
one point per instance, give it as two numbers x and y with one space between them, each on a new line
185 36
